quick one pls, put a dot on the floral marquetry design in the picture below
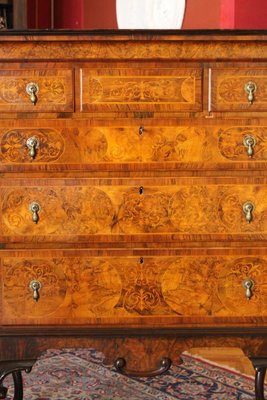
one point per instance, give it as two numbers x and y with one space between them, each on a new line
119 209
69 210
141 89
18 295
230 202
187 286
134 89
231 143
213 286
111 145
133 49
12 90
141 291
96 287
144 213
53 89
231 291
14 145
194 208
230 89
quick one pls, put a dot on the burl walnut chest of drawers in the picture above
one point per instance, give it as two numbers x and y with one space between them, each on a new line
133 196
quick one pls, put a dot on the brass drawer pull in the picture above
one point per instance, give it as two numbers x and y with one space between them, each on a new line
248 208
250 88
248 285
32 144
249 142
35 286
32 89
35 208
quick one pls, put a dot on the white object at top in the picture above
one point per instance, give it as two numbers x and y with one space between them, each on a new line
150 14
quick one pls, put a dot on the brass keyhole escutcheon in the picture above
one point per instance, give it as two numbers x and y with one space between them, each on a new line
32 89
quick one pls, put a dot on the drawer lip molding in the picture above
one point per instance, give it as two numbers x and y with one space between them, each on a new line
120 331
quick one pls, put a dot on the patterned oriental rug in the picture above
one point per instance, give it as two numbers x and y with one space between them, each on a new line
79 374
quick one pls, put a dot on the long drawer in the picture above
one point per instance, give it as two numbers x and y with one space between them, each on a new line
32 209
79 288
54 144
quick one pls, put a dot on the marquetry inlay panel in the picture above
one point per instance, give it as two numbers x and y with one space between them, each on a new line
17 276
125 287
13 145
134 145
228 89
84 210
129 89
55 90
231 143
178 47
73 210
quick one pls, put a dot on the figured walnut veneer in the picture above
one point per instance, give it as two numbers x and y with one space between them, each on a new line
133 192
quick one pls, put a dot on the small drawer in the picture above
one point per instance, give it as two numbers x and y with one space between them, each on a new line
141 89
36 90
242 89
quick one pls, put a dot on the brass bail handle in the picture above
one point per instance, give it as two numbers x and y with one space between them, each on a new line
32 89
250 89
248 285
35 286
248 208
249 142
32 144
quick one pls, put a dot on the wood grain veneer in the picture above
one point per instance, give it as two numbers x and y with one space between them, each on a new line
147 146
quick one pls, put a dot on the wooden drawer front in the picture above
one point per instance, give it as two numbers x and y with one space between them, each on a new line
89 289
229 93
55 90
193 147
107 210
137 89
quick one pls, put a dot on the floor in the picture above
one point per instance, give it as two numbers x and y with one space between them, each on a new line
230 357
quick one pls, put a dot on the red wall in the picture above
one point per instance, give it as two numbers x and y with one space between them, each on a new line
198 14
39 14
68 14
101 14
250 14
227 17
